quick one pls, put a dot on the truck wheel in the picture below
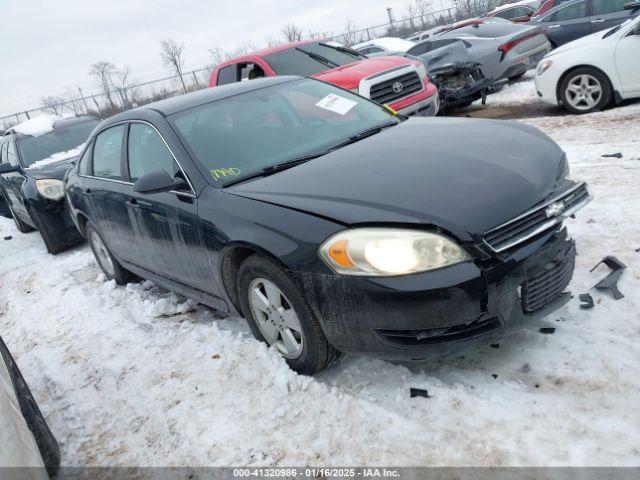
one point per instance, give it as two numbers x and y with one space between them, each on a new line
586 90
107 262
280 316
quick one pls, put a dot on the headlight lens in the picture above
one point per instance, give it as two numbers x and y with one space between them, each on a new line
389 252
544 66
50 188
563 168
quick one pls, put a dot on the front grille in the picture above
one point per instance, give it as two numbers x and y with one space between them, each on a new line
547 284
537 220
384 92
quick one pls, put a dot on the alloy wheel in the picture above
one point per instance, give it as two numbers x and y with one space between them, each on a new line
276 318
102 254
584 92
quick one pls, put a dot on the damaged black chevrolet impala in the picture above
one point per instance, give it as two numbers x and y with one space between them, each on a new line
329 223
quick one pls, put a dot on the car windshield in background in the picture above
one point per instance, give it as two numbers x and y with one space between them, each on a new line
309 59
242 135
63 139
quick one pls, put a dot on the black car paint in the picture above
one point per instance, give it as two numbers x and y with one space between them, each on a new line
565 31
50 217
408 175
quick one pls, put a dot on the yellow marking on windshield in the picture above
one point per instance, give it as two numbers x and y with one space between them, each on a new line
219 173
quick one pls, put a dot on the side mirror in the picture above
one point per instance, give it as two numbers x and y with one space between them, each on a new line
633 6
8 168
156 182
522 19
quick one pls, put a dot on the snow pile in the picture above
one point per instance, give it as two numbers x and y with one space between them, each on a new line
135 376
58 157
37 126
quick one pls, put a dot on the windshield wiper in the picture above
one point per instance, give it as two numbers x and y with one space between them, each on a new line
362 135
346 50
319 58
279 167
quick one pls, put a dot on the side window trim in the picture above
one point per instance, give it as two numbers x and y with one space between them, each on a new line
173 155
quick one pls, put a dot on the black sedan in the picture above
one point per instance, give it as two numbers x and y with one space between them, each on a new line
34 158
329 223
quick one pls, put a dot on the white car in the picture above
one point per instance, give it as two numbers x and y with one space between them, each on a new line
384 45
26 443
593 72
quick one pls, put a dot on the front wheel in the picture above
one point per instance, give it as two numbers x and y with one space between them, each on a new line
586 90
280 316
107 262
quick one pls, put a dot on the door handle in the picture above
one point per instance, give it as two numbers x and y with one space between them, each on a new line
553 26
599 20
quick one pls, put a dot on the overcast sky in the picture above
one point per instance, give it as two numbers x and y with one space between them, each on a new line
48 45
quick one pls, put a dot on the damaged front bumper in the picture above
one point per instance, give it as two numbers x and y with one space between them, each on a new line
461 85
443 312
53 221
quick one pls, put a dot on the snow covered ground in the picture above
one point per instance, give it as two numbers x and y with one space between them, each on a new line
135 376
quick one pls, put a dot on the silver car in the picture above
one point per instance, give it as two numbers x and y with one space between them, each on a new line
505 51
26 443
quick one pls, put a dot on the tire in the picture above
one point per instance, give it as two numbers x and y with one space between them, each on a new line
517 77
23 227
46 442
107 262
585 90
315 353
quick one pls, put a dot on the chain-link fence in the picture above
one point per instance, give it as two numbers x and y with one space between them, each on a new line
105 104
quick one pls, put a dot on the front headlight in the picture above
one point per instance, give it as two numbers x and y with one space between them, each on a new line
563 168
544 66
50 188
388 252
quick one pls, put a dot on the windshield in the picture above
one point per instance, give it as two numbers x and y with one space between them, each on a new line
62 139
244 134
309 59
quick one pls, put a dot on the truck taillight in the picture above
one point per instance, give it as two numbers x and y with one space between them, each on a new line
507 47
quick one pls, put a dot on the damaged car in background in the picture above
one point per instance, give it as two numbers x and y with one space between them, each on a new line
340 227
459 79
34 157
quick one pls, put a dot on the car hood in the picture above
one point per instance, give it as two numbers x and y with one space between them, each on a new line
465 176
349 76
54 169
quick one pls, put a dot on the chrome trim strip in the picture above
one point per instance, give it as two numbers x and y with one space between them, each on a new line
545 226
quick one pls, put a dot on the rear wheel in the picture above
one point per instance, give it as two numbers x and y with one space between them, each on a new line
107 262
586 90
280 316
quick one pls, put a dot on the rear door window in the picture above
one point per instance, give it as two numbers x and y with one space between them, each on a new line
107 153
571 12
84 165
228 75
602 7
419 49
147 152
12 156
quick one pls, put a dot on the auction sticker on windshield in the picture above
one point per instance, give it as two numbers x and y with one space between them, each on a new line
336 103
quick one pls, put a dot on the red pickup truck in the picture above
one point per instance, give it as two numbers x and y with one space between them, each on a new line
401 83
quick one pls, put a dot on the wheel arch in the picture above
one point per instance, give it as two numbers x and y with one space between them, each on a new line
233 256
573 69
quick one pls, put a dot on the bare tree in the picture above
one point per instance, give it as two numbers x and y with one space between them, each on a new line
124 88
218 56
172 56
349 37
291 32
53 104
422 8
272 41
104 72
412 12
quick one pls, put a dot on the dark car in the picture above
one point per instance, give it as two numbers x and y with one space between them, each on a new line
331 224
32 167
576 19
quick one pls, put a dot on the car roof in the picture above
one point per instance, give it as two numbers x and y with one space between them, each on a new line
173 105
269 50
60 123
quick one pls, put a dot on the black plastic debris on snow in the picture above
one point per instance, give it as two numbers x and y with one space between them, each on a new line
548 330
419 392
610 282
586 301
8 237
612 155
